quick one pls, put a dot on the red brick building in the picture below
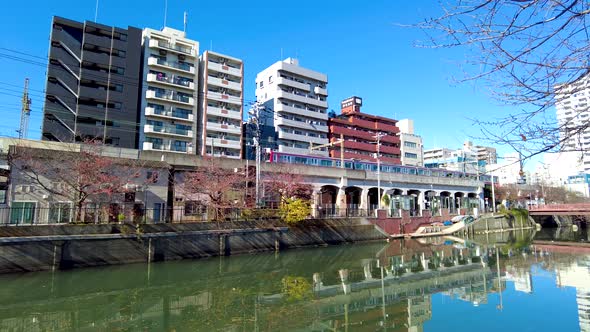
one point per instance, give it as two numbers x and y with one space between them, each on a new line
359 131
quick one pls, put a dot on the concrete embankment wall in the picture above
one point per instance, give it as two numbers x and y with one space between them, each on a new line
498 223
34 248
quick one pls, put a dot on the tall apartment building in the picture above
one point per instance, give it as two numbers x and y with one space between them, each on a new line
93 82
359 131
297 97
572 107
411 144
221 105
169 94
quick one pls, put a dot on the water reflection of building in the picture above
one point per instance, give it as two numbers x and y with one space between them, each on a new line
384 288
521 277
576 275
394 290
419 312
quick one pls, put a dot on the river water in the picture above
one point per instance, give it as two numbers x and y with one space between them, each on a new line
441 285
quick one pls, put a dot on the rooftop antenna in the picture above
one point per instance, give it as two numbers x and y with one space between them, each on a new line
165 11
25 113
96 12
185 20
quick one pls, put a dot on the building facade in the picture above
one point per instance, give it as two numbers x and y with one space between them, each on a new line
93 82
359 132
221 105
297 99
470 158
169 94
572 112
412 149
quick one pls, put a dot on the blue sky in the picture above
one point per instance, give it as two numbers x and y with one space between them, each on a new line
361 48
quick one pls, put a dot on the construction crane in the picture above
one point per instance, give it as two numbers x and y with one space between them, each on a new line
339 141
25 112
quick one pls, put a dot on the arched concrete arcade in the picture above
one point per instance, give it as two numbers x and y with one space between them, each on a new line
363 200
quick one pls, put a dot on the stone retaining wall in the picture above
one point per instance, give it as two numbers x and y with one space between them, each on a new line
163 242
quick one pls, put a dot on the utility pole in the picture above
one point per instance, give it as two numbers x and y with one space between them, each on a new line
255 119
339 141
378 136
25 112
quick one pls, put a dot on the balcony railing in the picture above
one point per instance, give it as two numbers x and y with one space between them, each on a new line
173 47
169 112
171 80
167 130
176 65
166 146
170 95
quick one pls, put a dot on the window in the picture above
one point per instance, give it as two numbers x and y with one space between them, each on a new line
22 213
410 155
3 196
410 144
192 208
261 84
60 213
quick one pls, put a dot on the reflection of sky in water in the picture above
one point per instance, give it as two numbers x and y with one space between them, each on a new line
547 308
399 286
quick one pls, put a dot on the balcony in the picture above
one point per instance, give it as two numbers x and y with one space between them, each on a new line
337 130
223 98
294 84
180 49
170 96
224 83
372 148
224 128
320 91
302 138
171 81
167 130
300 124
302 99
387 127
165 147
223 143
224 69
179 66
224 113
301 111
362 123
168 113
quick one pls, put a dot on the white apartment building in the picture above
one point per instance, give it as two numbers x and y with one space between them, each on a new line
298 99
411 144
169 95
470 158
221 105
572 102
507 171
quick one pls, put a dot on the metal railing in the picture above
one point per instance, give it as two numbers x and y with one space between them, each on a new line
137 214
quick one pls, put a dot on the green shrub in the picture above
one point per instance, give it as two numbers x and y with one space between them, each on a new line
294 210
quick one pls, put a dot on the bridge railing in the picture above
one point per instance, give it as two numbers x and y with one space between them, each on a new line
561 207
